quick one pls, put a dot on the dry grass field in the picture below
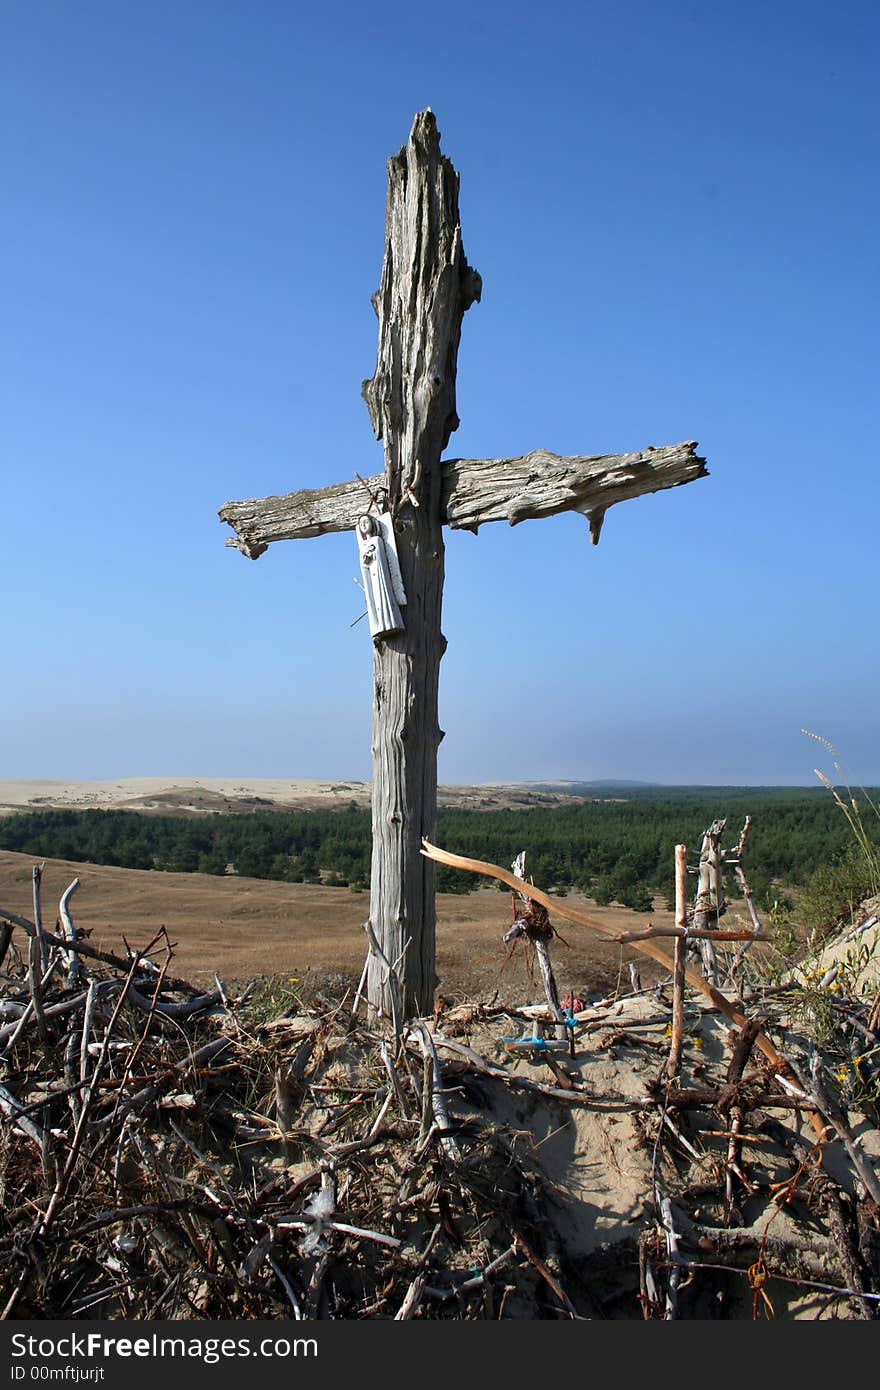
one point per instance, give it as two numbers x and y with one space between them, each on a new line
245 928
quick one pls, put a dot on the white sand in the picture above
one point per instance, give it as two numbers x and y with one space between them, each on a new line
27 794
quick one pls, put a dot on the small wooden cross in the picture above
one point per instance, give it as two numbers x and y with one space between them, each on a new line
426 287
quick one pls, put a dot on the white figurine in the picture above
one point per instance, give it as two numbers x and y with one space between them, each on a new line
383 583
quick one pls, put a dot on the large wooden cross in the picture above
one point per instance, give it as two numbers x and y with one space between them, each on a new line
425 289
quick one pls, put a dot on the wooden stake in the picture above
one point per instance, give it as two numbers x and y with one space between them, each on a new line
535 926
38 919
673 1066
709 900
425 288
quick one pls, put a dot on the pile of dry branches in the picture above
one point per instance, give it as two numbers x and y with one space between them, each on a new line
172 1154
166 1156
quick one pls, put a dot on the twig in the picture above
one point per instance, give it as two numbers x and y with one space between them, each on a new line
284 1109
185 1009
674 1259
412 1299
285 1284
10 1107
42 1224
786 1279
741 1053
360 989
535 925
10 1032
545 1274
524 1083
685 1143
834 1113
733 856
427 1117
88 1011
649 1294
399 1093
136 1050
82 948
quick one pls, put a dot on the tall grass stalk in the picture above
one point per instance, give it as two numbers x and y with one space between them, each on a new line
868 846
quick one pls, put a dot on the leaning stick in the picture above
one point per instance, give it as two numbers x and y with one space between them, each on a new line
392 978
360 989
37 874
436 1097
74 968
10 1032
523 1083
14 1111
550 988
36 986
647 948
88 1012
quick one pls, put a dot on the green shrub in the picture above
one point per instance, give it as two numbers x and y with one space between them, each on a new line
834 891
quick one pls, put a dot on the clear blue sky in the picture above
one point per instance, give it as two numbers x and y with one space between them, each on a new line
674 209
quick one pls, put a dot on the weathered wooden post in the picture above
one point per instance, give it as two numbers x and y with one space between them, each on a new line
426 287
709 904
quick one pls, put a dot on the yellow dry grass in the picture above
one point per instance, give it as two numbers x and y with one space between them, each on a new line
243 927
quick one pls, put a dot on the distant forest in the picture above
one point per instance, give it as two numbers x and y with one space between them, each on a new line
612 850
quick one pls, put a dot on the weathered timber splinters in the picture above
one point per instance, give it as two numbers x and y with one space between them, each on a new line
425 289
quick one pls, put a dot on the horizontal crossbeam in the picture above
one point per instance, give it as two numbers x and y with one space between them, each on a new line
475 491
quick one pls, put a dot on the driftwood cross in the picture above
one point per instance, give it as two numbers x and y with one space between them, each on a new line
426 287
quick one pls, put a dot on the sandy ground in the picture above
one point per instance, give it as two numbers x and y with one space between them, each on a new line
603 1163
204 795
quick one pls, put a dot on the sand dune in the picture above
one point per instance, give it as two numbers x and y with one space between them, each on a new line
178 793
204 795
